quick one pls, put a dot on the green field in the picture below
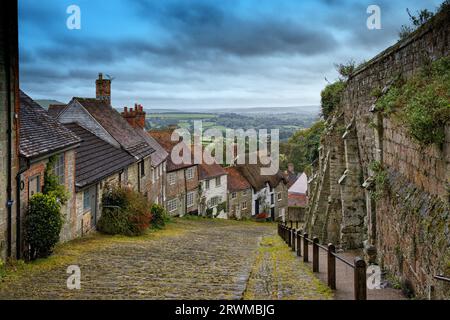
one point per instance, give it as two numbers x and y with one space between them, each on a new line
181 116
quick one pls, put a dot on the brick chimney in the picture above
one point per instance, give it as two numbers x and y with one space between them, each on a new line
135 117
103 89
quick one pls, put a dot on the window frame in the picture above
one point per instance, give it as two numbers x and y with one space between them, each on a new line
220 181
190 173
88 198
171 178
59 168
169 204
191 203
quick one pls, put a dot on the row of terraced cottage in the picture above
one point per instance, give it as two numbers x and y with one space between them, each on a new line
94 146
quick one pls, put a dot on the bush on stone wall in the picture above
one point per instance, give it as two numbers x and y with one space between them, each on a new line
43 225
159 216
331 98
422 102
124 211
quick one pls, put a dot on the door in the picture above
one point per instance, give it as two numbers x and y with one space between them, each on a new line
256 207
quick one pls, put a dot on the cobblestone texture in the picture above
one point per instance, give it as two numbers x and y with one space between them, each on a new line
191 259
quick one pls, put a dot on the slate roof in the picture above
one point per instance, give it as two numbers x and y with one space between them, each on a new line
113 122
236 181
40 133
210 171
160 153
95 158
55 110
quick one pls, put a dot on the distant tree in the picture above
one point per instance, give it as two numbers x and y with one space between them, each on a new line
302 149
345 69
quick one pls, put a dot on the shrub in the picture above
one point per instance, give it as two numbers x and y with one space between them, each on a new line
51 183
423 102
43 225
159 216
331 98
124 211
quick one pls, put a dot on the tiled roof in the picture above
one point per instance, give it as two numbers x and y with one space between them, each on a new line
96 159
55 110
209 171
160 153
163 137
236 181
110 119
40 133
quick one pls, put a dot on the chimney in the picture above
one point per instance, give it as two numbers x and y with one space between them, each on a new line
291 168
135 117
103 89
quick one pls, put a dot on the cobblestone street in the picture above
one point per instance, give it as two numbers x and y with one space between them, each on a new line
190 259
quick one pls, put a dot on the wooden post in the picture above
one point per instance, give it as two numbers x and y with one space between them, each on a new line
331 268
299 245
291 223
305 248
296 224
360 280
315 254
293 239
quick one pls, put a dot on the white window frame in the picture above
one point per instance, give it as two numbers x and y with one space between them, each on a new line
189 173
279 196
233 195
171 178
207 184
219 180
244 205
190 199
172 205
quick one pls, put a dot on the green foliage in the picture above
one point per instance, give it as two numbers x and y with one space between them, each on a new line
222 207
209 212
124 211
159 216
43 225
2 269
331 98
51 183
423 102
345 69
380 179
302 148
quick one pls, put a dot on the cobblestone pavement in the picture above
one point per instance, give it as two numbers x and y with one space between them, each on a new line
190 259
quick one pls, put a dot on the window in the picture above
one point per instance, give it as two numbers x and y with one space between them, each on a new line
86 200
142 165
218 182
171 178
190 199
58 168
215 201
153 175
34 186
172 205
280 196
244 193
207 184
244 205
233 195
189 173
272 200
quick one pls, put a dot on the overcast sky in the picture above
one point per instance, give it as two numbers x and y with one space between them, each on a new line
200 53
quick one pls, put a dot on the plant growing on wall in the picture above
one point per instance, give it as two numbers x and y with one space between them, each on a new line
51 183
43 225
380 180
422 102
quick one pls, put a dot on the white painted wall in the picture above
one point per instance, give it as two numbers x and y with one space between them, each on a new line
215 191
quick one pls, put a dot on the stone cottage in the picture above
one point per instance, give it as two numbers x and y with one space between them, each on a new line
98 165
181 181
42 137
269 192
156 185
239 195
298 199
212 190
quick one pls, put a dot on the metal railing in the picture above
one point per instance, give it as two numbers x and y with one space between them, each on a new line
299 241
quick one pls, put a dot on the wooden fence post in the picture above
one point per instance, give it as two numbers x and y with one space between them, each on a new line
331 268
296 224
305 248
293 239
315 254
360 280
299 245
